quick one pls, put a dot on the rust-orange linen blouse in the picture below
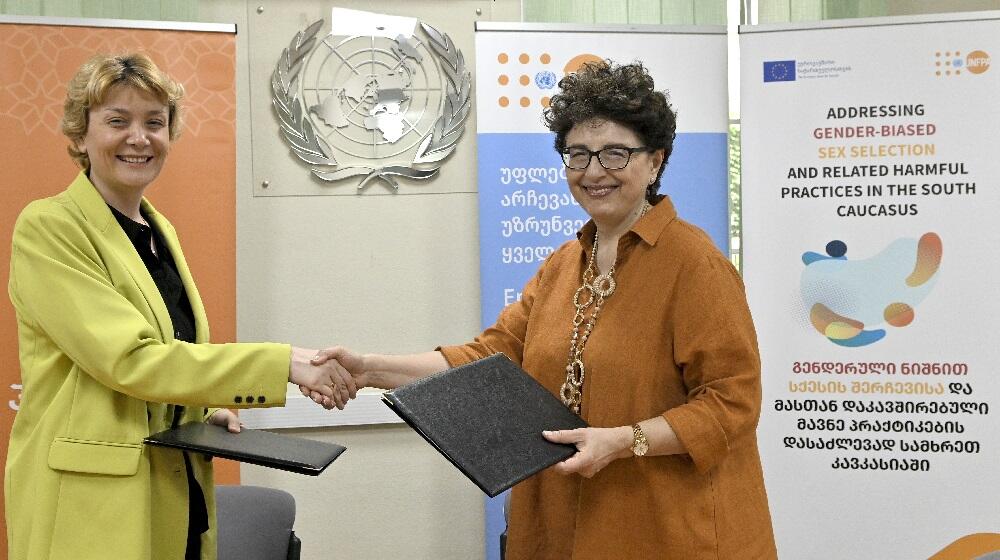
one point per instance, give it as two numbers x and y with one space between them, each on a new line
675 339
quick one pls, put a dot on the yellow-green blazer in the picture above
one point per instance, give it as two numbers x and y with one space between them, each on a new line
101 371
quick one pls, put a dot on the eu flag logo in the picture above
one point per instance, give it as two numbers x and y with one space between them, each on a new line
779 71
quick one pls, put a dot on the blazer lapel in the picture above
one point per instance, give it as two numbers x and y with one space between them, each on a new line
173 245
96 211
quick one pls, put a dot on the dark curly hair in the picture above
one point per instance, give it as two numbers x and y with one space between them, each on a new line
622 93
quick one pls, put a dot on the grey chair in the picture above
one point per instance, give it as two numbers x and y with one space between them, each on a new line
255 523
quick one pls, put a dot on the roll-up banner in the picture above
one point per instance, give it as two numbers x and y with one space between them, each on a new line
869 208
196 191
525 208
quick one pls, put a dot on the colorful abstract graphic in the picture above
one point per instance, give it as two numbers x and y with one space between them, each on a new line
848 299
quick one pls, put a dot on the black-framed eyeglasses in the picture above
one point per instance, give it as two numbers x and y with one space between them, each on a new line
609 158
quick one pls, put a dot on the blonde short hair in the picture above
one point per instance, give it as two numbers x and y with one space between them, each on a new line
92 82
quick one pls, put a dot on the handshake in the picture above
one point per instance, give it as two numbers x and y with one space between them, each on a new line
329 377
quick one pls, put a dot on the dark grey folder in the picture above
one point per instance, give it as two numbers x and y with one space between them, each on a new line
487 417
257 447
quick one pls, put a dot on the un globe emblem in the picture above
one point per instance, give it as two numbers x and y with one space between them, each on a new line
546 79
373 107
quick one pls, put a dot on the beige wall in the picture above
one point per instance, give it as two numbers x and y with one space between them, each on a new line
378 271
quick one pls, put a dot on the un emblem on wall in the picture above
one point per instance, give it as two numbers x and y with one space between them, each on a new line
370 106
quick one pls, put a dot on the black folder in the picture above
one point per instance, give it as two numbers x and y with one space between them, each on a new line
257 447
487 417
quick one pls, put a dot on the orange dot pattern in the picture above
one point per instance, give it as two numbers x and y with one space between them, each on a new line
523 79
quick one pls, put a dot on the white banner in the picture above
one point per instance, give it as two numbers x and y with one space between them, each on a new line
870 174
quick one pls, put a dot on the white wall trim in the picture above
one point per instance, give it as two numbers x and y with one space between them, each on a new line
120 23
300 412
600 27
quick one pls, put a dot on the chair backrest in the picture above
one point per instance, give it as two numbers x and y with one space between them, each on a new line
255 523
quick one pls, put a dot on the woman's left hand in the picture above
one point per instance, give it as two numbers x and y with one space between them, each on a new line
596 448
227 419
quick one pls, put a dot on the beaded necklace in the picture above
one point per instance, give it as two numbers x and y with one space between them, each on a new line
597 289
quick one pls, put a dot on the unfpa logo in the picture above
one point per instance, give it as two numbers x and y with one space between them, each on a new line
952 63
977 62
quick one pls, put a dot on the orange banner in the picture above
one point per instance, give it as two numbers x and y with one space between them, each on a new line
196 190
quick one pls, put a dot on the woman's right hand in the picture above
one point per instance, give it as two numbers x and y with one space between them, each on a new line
327 382
382 371
349 359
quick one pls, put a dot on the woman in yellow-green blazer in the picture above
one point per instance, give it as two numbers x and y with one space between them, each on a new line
101 364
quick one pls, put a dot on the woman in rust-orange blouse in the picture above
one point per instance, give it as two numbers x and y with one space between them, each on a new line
640 326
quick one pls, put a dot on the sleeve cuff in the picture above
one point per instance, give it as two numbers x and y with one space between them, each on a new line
459 355
701 435
270 364
275 388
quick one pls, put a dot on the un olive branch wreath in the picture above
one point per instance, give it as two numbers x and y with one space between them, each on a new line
434 147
